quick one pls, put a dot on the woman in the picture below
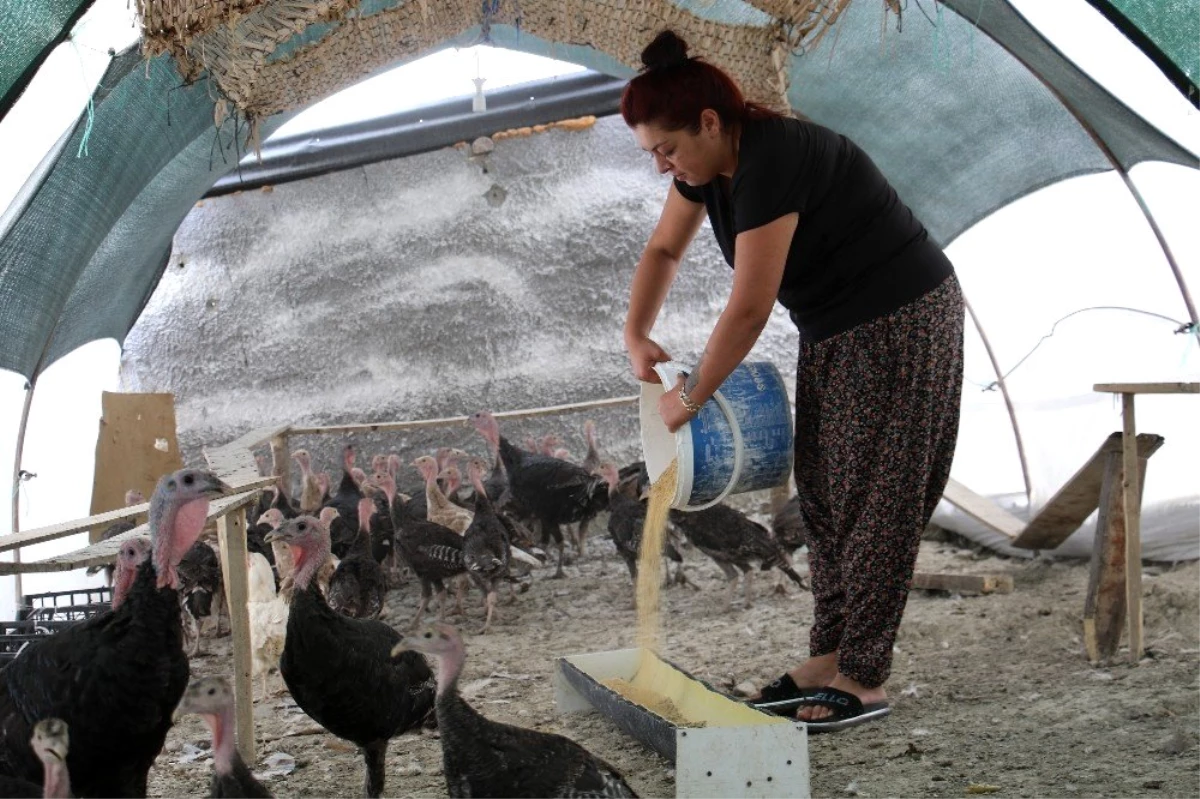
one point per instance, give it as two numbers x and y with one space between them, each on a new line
804 217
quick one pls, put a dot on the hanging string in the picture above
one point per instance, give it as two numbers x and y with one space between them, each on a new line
1183 327
87 129
91 103
974 29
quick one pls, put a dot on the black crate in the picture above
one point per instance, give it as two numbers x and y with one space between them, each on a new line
77 605
15 635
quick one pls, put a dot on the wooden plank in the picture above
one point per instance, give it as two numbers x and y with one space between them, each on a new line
103 552
238 454
963 583
450 421
282 463
63 529
982 509
136 445
1131 489
1148 388
1104 603
1068 509
231 536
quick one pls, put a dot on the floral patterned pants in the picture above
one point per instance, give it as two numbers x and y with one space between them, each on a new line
876 422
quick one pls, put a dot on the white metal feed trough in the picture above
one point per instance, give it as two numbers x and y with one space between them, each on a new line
720 748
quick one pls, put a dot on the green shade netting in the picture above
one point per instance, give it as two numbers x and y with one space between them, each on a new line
949 108
29 30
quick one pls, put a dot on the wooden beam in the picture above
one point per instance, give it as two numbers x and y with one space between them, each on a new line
1104 603
963 583
1131 489
64 529
254 438
1147 388
105 552
238 455
982 509
1068 509
282 463
231 535
382 427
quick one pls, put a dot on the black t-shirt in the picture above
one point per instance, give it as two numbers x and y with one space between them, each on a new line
858 252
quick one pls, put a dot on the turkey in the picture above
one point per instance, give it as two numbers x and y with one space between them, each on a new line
338 669
310 487
553 491
341 535
212 699
485 545
132 554
268 614
50 744
591 459
482 757
438 508
255 533
347 497
626 518
201 592
433 552
132 497
734 541
358 586
115 678
280 555
787 522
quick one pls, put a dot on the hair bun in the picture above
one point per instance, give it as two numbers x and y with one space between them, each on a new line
667 50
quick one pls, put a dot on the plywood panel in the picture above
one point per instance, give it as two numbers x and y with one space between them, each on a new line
135 447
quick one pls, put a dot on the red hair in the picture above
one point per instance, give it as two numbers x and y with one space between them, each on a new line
672 90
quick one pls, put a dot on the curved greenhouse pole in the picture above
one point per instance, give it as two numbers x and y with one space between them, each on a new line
1012 413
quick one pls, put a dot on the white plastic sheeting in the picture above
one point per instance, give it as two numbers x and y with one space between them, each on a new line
411 297
1082 245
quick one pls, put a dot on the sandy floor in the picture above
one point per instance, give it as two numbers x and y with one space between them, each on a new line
990 693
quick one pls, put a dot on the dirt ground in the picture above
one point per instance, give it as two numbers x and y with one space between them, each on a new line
990 694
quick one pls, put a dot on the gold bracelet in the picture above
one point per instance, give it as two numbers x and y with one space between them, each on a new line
691 406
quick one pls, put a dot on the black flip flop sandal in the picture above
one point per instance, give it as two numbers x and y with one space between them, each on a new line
781 696
848 710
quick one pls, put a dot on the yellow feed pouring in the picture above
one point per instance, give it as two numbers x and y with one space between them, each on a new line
650 557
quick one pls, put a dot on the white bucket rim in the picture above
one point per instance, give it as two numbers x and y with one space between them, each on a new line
668 373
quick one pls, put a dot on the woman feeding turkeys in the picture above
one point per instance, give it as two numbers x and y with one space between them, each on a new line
806 218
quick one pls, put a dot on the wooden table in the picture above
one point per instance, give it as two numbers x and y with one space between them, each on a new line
1106 563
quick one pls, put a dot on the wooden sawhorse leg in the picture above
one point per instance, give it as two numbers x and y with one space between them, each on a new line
1114 592
231 533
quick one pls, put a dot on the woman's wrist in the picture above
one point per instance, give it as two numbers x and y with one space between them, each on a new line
689 405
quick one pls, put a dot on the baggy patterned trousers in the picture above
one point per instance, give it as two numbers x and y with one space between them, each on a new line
877 412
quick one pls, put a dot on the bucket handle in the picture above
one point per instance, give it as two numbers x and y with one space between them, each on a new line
738 446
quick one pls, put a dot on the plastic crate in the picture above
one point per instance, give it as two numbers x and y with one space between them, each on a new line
16 635
77 605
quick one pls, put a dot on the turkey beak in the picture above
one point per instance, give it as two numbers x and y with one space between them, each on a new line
216 487
399 649
272 536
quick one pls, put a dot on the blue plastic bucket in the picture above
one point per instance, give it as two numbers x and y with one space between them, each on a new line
740 441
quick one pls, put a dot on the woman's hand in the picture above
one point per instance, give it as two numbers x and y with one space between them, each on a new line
644 352
671 409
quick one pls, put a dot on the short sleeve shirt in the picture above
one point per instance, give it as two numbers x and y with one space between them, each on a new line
858 252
